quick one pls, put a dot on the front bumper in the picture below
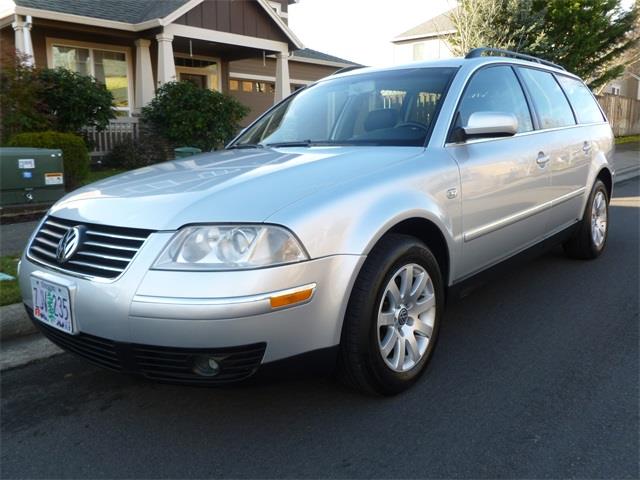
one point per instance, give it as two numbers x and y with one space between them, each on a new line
207 310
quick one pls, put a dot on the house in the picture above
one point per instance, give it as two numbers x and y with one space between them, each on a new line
241 47
427 41
628 84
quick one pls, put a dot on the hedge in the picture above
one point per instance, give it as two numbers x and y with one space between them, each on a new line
74 152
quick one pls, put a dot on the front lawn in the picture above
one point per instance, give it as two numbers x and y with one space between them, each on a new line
627 139
9 291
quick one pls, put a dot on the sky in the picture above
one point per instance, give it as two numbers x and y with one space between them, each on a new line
360 30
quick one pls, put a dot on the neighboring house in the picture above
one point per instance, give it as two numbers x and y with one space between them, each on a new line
427 41
241 47
627 85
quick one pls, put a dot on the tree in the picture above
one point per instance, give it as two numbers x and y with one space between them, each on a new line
588 37
75 101
185 114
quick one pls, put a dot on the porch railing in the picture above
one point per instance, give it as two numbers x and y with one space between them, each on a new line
117 131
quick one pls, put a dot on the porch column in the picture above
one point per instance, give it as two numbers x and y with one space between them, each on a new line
283 86
166 64
145 89
22 31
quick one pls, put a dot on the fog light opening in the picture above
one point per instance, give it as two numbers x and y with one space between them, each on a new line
206 366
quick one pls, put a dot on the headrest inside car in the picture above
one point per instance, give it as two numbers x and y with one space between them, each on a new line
383 118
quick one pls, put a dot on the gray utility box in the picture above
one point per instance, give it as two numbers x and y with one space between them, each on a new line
30 175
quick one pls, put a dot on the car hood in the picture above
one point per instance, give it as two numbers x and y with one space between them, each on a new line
224 186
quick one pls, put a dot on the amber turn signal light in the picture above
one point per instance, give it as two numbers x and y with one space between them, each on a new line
293 296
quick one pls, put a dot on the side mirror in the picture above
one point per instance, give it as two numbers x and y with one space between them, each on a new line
488 125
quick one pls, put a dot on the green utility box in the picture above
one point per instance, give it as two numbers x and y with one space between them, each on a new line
30 175
183 152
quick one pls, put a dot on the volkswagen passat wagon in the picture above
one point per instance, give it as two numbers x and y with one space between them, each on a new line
331 229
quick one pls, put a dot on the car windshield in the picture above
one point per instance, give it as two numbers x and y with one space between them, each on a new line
395 107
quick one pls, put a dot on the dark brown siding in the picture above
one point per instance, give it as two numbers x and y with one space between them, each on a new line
243 17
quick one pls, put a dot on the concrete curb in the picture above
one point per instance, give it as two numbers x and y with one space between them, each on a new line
14 322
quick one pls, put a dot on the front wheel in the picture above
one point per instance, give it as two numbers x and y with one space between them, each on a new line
590 238
393 317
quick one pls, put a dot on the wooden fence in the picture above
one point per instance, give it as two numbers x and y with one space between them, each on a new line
623 113
119 129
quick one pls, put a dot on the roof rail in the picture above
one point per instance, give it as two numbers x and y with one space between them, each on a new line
347 69
478 52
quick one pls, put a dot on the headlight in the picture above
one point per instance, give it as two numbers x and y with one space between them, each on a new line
230 247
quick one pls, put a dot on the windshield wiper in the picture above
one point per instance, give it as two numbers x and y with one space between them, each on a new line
245 145
297 143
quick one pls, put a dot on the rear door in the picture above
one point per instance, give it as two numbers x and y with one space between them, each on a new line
565 143
504 184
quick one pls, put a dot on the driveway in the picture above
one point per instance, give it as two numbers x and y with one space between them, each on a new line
536 375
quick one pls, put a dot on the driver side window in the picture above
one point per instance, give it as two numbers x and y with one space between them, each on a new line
495 89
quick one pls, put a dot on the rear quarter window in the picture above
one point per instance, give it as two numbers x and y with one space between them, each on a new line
584 105
548 99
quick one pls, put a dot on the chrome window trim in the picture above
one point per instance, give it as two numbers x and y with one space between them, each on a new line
522 134
516 217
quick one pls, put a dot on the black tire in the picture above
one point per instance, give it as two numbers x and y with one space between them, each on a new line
581 244
361 364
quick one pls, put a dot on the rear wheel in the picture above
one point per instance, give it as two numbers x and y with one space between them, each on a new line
393 316
589 240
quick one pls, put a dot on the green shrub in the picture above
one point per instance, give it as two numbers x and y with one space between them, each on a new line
19 97
187 115
74 151
130 154
75 100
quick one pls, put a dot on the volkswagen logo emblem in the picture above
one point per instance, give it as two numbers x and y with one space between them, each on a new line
69 244
403 316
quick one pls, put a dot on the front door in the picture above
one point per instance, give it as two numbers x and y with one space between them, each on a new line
504 183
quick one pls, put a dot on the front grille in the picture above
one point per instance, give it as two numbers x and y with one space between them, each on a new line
164 364
104 251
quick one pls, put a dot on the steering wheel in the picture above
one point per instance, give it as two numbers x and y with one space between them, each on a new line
413 125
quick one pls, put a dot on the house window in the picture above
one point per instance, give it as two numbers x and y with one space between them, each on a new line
615 90
418 51
234 85
247 86
111 68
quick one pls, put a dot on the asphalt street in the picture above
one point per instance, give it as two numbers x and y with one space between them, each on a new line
536 375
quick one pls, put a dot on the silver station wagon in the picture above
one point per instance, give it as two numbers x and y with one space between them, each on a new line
332 230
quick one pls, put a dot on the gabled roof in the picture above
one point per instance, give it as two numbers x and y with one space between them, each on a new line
132 15
128 11
314 55
434 27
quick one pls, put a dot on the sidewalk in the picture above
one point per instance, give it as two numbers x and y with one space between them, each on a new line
627 161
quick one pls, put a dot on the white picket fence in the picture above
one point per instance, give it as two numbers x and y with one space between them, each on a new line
118 130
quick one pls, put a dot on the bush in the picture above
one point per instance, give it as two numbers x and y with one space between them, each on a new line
75 100
74 152
33 100
19 97
130 154
187 115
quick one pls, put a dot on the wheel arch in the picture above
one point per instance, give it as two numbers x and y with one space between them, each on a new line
605 176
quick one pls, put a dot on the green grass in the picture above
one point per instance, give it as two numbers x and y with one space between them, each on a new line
95 175
627 139
9 290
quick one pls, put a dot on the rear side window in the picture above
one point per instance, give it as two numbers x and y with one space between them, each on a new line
495 89
583 103
551 105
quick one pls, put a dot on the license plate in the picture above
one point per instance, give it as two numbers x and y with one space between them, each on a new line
51 304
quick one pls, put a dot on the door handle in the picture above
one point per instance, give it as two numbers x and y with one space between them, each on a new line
586 147
542 159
